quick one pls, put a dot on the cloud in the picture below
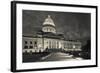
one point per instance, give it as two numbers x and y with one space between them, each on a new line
72 25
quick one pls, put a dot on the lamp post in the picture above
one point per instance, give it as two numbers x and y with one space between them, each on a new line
74 50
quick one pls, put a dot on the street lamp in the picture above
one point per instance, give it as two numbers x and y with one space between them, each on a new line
74 50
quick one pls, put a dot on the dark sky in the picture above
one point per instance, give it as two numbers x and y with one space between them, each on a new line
72 25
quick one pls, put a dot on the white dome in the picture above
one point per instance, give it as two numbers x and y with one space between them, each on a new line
48 21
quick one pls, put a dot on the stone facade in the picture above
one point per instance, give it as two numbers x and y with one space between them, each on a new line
48 39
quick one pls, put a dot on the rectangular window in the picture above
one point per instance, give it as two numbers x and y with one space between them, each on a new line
49 44
25 42
31 46
26 47
35 44
57 44
30 42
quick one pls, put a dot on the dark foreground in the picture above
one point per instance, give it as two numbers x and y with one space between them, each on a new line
42 57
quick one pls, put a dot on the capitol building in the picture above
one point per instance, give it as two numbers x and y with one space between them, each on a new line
47 39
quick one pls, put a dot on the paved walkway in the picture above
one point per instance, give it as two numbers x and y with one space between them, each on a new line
59 57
